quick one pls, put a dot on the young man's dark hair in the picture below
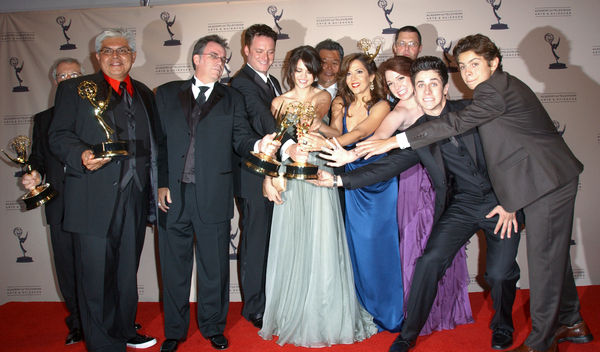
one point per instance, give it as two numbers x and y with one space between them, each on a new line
411 29
481 45
329 44
258 30
429 63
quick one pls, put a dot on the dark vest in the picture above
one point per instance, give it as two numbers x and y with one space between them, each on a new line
132 126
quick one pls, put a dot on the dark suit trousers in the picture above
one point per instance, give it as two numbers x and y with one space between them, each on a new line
455 227
553 295
176 246
254 244
64 264
107 274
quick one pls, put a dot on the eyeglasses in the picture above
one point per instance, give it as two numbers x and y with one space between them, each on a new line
216 57
410 44
64 76
122 51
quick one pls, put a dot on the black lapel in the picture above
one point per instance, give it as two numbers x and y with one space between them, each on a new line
185 100
216 95
258 80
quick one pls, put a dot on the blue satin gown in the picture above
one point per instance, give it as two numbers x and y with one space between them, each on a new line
372 233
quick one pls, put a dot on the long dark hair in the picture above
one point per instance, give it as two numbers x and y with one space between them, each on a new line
344 91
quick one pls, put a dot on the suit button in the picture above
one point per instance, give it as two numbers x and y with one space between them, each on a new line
115 183
183 156
118 162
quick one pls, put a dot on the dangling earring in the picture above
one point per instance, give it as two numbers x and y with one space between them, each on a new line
371 86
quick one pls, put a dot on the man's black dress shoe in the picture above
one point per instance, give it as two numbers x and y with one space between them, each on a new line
257 322
219 341
501 339
170 345
401 345
73 337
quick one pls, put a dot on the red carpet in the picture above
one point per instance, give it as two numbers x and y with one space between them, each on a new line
39 326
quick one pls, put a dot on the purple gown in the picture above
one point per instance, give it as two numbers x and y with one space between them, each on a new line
416 198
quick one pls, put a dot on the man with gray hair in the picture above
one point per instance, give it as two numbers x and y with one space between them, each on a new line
108 199
45 163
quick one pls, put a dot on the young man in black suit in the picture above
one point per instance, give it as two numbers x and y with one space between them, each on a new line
464 203
202 122
531 168
258 89
107 201
45 164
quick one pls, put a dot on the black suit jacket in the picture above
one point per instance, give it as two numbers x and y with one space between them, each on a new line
526 156
90 195
400 160
48 165
257 97
222 129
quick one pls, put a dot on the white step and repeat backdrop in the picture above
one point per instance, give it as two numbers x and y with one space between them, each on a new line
551 45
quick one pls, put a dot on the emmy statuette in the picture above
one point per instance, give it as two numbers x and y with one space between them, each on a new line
88 90
42 193
264 164
303 170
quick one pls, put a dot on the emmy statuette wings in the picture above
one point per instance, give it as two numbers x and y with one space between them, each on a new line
298 169
42 193
89 90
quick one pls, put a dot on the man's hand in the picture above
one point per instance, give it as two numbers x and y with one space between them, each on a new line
325 179
375 147
270 191
90 162
164 198
507 221
297 153
337 155
31 180
267 145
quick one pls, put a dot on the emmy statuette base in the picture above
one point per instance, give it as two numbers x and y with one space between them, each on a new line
110 149
39 196
262 164
301 171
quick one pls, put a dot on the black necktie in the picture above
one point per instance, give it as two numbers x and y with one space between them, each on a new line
201 98
271 87
125 93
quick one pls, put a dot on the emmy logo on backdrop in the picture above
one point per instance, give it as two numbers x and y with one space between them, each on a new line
549 38
89 90
303 170
165 16
61 20
14 62
227 77
383 4
264 164
272 10
18 232
441 42
42 193
495 8
233 249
